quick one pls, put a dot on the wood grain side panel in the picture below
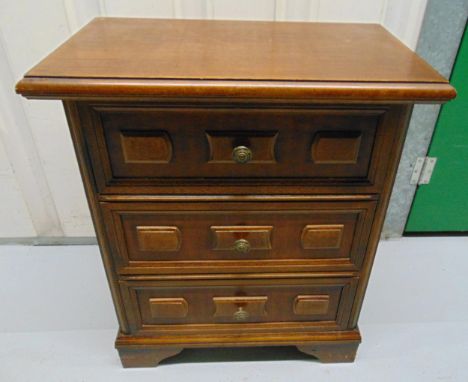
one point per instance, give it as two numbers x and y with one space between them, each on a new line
75 123
401 121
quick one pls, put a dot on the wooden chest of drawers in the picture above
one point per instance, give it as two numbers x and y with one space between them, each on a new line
238 173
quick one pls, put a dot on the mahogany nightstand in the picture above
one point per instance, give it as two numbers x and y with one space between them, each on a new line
238 173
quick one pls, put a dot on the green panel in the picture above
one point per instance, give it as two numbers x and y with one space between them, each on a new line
442 205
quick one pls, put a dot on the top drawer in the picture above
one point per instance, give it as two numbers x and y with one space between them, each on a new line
149 147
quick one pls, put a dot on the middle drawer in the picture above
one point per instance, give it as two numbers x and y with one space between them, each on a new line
194 237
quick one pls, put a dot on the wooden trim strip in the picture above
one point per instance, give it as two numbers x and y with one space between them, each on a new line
86 88
234 198
224 340
240 276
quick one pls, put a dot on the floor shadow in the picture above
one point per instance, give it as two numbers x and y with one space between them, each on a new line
276 353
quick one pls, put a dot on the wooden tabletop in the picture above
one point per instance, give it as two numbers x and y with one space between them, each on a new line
151 57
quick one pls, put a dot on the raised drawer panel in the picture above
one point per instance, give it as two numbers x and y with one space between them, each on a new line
240 308
260 144
336 147
145 147
158 238
306 305
322 236
314 302
239 237
150 147
168 307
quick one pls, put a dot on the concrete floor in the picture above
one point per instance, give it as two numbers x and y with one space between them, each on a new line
57 323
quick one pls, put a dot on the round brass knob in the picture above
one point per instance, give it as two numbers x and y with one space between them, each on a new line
241 314
241 154
242 246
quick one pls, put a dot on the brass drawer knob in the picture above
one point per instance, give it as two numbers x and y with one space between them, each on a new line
241 314
241 154
242 246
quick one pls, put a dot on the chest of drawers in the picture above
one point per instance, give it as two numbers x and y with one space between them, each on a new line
238 173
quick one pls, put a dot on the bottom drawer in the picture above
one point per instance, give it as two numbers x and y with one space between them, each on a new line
313 302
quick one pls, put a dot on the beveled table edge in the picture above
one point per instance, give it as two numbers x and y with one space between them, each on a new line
121 89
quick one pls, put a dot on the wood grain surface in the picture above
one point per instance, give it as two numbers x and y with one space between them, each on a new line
241 50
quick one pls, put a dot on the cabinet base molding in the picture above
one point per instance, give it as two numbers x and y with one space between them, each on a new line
326 347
